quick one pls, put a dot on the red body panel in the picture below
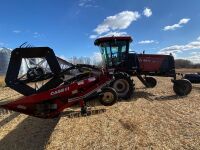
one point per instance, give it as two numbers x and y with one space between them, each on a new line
150 63
112 38
57 99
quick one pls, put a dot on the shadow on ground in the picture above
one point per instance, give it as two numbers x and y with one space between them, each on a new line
152 97
31 133
5 111
142 94
8 119
77 114
169 97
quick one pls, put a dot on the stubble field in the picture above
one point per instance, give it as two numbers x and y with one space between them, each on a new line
153 119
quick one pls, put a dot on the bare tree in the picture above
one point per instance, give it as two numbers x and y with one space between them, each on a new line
182 63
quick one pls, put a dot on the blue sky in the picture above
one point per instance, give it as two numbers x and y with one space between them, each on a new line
71 26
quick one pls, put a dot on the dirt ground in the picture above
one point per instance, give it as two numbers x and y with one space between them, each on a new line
153 119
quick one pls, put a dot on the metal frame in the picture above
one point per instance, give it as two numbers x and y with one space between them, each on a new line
15 63
51 103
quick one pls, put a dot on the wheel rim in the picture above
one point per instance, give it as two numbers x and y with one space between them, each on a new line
121 86
107 97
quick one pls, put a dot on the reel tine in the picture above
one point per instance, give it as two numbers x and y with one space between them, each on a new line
23 44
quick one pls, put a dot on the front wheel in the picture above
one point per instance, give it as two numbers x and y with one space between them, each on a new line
123 84
108 96
182 87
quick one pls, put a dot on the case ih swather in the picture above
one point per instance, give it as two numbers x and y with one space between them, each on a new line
125 63
64 87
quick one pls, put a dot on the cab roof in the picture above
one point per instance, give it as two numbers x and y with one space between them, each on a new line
113 38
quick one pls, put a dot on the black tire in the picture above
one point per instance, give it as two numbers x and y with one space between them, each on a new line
108 96
182 87
152 82
123 84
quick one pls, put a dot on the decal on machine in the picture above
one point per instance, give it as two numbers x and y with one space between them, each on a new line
58 91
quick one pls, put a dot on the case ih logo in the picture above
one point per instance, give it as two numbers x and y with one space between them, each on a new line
58 91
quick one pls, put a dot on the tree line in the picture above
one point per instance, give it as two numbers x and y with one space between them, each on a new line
84 60
183 63
179 63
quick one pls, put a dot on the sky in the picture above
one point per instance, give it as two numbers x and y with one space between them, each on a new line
71 26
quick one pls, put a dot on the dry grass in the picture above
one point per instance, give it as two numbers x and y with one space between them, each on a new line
2 83
152 119
188 70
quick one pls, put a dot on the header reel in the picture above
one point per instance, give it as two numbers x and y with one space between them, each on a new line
41 65
60 88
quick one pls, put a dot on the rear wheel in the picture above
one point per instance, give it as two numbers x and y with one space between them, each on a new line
151 82
182 87
123 84
108 96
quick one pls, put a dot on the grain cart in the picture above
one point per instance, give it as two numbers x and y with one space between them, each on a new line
60 87
125 63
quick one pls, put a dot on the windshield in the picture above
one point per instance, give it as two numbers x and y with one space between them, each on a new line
113 52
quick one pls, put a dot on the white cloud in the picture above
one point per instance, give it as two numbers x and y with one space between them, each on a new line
184 21
198 38
16 31
177 25
93 36
147 42
195 53
173 27
83 2
180 48
119 21
87 3
36 35
195 58
109 34
147 12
